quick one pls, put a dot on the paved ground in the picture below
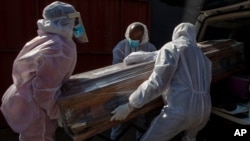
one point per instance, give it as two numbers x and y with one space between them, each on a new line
217 129
6 134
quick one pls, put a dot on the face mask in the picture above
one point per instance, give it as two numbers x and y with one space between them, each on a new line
78 30
134 43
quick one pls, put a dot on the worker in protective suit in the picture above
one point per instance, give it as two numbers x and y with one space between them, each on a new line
42 66
136 39
182 74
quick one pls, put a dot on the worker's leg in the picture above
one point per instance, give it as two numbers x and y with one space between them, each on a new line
165 126
41 129
118 130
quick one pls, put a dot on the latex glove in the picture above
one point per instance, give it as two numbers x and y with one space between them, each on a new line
139 57
60 122
134 58
121 112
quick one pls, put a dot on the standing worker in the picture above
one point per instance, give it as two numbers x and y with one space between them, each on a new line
136 39
42 66
182 73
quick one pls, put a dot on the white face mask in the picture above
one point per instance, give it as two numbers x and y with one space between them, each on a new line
79 30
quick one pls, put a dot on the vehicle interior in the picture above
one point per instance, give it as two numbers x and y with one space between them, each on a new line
230 110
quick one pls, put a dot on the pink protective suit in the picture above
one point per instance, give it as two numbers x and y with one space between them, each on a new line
43 65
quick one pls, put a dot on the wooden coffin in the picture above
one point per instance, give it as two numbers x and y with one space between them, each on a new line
88 98
227 56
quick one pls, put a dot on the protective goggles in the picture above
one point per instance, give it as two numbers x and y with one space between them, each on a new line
79 30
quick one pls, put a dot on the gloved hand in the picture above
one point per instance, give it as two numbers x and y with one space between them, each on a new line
139 57
60 122
121 112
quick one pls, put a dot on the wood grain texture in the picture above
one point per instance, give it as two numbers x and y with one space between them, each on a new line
89 97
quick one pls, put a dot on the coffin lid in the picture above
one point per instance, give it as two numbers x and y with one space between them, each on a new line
102 77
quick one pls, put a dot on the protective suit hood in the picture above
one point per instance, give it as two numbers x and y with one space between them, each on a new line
54 27
145 38
62 18
185 30
56 20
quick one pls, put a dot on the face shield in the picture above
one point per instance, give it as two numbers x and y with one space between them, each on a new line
78 31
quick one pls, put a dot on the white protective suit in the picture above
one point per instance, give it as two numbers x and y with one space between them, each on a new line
43 65
123 49
182 74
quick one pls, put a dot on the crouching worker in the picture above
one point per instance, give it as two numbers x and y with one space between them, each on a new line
182 73
42 66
